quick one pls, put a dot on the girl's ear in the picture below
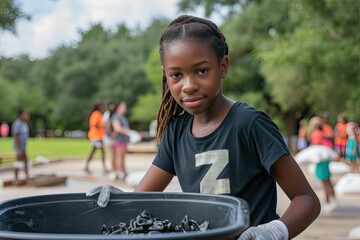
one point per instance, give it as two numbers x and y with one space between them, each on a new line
224 64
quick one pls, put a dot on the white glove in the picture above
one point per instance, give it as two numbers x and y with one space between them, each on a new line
104 196
274 230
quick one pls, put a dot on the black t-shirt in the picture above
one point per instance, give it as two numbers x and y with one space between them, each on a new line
235 159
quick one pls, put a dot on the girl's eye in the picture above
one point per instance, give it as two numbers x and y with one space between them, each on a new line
175 75
203 71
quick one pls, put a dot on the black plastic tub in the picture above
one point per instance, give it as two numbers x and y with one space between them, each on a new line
74 216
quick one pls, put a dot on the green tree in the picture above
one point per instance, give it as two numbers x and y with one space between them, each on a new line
293 57
211 6
148 104
318 59
10 13
20 90
7 111
14 69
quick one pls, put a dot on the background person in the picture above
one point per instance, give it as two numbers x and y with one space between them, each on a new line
20 134
328 131
322 168
121 129
96 134
4 129
352 154
109 138
340 134
316 133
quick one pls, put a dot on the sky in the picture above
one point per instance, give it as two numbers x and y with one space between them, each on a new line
57 22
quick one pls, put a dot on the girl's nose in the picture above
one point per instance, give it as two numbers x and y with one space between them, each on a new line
190 85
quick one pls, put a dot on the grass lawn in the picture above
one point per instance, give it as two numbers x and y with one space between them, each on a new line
51 148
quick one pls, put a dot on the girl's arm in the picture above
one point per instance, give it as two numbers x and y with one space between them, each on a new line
155 180
305 206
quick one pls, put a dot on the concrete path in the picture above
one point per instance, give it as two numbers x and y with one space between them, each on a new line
334 225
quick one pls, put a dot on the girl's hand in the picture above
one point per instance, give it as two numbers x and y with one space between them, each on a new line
104 194
274 230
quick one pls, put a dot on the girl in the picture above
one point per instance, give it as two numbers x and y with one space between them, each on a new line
328 137
215 145
121 129
109 132
316 133
96 134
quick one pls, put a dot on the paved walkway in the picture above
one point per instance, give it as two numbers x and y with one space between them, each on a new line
335 225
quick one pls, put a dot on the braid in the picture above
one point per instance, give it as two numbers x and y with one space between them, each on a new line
185 27
169 109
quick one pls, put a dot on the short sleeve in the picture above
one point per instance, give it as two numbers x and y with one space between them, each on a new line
95 119
268 141
164 156
15 128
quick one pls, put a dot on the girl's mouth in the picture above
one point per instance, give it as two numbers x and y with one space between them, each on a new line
193 102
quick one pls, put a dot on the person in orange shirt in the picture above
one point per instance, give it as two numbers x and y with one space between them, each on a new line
96 134
328 131
316 134
340 135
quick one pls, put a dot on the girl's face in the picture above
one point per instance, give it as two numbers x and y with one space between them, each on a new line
193 74
121 109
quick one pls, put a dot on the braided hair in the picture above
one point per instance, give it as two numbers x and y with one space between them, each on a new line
185 27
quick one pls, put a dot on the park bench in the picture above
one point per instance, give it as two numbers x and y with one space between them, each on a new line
7 158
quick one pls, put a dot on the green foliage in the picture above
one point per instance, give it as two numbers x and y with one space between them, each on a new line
14 69
7 100
211 6
298 56
95 32
148 104
318 60
25 89
146 108
153 70
10 13
289 58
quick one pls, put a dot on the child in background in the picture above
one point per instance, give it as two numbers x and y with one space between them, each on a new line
328 131
322 168
316 134
215 145
96 134
352 154
340 134
20 133
110 134
121 139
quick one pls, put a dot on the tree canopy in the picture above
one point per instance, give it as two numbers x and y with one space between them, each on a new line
10 13
289 58
292 58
